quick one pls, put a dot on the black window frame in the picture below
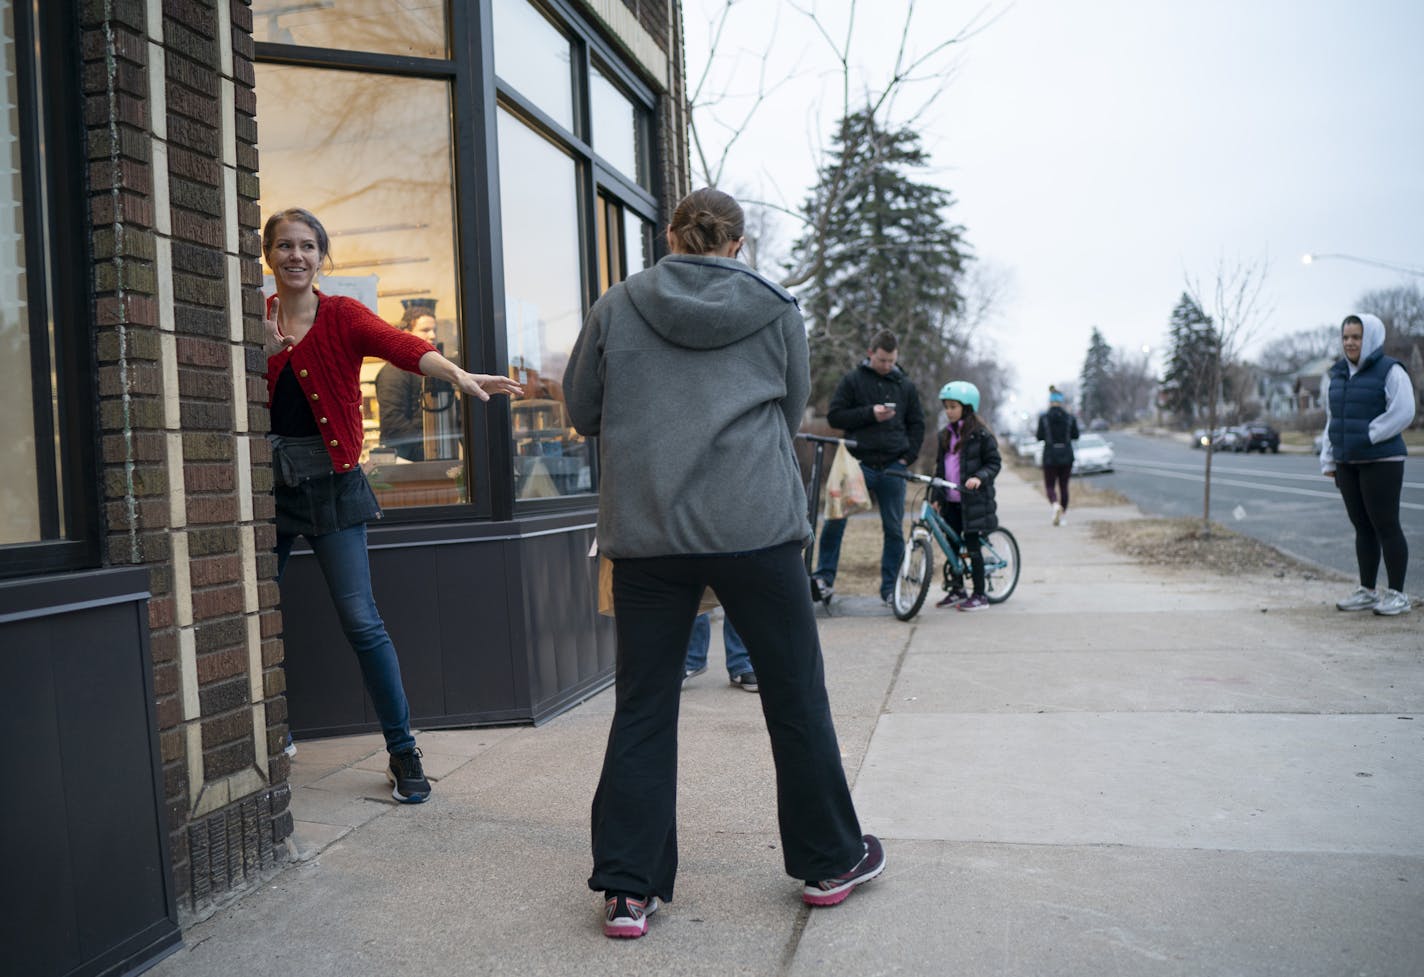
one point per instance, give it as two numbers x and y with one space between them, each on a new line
477 95
60 293
594 176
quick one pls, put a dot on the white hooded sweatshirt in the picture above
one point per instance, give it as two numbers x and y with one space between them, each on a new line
1398 397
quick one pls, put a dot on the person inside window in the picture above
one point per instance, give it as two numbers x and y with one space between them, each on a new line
398 392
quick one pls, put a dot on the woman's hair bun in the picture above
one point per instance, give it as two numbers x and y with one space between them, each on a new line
706 219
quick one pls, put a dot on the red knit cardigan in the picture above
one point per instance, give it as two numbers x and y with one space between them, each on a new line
327 365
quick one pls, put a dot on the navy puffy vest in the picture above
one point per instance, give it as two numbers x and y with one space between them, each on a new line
1354 402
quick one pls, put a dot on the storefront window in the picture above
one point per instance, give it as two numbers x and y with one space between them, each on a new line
534 58
19 476
370 155
617 127
543 308
414 28
622 242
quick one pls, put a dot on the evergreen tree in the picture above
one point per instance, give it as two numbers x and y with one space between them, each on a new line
1095 382
879 253
1190 364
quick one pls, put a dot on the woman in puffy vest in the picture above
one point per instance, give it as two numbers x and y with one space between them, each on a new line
1369 401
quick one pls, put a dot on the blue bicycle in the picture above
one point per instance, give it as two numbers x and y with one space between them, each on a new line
912 583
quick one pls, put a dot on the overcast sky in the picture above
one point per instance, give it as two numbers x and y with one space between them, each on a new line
1102 151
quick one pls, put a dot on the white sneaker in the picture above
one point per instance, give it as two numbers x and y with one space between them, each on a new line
1363 599
1057 514
1392 602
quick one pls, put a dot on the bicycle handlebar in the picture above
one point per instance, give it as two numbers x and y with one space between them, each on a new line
927 479
848 442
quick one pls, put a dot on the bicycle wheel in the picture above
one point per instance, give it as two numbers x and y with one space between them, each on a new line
1001 565
912 583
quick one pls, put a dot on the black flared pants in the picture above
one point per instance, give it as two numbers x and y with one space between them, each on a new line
766 595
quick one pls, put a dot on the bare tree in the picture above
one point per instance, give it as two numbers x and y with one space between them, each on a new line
718 118
1234 303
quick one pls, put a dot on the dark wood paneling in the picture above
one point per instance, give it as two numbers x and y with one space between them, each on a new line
88 887
491 625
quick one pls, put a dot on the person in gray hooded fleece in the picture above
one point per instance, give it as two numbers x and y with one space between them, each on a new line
694 375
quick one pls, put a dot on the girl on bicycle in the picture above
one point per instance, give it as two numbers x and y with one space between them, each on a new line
968 455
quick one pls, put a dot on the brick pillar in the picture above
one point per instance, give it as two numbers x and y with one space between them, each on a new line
170 108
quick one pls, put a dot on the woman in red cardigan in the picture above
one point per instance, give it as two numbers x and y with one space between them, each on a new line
315 345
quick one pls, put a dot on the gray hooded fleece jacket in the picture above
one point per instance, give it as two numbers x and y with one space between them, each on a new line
693 375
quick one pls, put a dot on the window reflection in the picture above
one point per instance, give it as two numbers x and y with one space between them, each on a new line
543 307
534 58
370 155
415 28
19 488
637 243
616 127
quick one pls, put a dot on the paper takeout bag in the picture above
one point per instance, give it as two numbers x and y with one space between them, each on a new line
846 493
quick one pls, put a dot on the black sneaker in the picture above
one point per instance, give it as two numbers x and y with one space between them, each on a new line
407 777
746 681
625 917
829 892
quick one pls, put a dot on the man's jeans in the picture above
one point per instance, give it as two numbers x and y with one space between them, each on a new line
738 662
347 569
889 494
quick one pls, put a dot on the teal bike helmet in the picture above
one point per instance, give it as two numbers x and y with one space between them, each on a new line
963 391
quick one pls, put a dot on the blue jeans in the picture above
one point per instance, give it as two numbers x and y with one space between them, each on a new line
889 494
347 569
738 662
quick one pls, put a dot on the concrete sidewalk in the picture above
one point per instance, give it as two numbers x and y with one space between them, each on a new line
1121 769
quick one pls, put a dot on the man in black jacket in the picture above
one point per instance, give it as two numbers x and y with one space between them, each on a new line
877 405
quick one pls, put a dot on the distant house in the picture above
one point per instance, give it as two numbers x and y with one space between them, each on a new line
1305 383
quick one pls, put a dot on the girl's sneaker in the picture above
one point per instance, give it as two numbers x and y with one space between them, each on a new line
953 598
625 917
830 892
976 603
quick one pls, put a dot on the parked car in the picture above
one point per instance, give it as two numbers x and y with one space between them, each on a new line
1231 439
1098 424
1092 454
1028 446
1262 438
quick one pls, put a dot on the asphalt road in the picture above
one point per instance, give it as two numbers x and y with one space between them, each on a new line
1280 499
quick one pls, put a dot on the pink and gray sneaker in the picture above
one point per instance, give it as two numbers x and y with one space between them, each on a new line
976 603
829 892
625 917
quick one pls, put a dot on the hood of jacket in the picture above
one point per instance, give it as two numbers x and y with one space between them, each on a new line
705 302
896 374
1371 343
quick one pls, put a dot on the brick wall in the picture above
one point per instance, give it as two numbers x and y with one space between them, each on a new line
654 16
170 114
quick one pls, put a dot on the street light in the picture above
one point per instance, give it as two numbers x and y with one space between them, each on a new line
1311 258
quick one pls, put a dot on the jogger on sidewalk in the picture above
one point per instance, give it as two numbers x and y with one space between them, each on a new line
1057 429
